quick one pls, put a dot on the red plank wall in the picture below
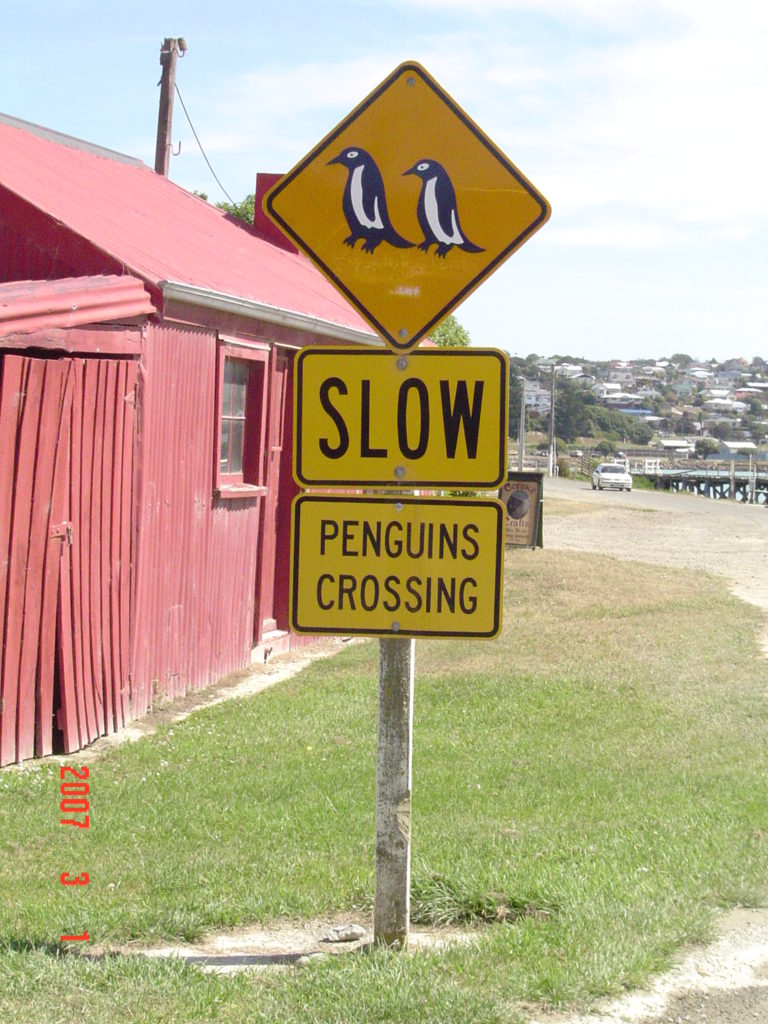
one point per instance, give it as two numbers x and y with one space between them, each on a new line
196 554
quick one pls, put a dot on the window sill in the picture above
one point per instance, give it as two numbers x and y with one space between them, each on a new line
239 491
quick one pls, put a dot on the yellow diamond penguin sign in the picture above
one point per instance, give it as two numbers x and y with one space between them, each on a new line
406 206
387 566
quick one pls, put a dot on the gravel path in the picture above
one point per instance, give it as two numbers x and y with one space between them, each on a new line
722 537
727 982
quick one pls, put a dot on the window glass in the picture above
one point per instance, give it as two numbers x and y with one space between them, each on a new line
236 380
236 447
233 394
224 454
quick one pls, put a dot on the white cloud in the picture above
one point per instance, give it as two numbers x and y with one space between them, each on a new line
669 122
658 108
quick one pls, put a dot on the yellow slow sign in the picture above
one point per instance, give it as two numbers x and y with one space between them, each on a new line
431 418
384 566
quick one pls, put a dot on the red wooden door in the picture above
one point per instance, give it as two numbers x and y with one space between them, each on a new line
66 457
265 620
35 396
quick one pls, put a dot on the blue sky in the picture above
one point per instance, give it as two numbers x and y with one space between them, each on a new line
641 121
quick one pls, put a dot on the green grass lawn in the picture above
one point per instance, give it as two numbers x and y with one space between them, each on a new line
594 782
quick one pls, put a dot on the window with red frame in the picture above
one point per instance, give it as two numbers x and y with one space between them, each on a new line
242 376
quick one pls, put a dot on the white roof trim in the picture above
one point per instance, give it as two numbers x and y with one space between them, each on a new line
224 303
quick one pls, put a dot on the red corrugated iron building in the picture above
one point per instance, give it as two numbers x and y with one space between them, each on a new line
146 353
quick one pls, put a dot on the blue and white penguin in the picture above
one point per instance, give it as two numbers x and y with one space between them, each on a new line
365 203
437 211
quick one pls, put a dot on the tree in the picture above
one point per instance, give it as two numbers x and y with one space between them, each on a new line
450 334
706 446
722 430
615 424
570 415
515 398
244 210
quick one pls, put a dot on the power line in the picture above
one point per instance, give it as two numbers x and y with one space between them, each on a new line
189 120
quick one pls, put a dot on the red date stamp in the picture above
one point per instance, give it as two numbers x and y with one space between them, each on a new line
74 801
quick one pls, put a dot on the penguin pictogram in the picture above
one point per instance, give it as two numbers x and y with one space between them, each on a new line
437 211
365 203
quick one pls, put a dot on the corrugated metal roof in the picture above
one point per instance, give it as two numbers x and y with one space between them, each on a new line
156 229
67 140
27 306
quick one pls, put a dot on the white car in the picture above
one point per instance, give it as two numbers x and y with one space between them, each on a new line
611 474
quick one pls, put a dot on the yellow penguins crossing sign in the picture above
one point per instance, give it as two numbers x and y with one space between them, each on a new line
406 206
384 566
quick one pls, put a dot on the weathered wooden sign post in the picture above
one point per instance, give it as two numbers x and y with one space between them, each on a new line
391 902
406 207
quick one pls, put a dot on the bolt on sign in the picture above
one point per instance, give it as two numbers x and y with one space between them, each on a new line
406 206
430 418
396 566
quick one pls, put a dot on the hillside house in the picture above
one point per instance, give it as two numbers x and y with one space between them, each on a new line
621 375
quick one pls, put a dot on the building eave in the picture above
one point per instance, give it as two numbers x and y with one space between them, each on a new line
29 306
250 309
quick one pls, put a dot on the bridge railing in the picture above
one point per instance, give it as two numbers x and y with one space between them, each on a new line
648 463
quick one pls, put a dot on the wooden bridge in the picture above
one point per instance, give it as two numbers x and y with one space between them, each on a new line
738 481
748 485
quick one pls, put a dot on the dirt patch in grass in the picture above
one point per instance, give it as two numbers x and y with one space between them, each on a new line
282 944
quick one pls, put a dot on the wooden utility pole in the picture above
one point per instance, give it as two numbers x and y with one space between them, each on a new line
391 912
169 53
521 428
552 442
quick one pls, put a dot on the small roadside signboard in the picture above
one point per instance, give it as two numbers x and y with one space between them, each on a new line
397 566
406 206
521 496
432 418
